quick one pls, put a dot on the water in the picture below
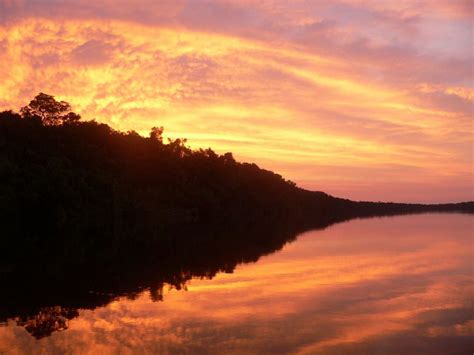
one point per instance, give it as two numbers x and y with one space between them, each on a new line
388 285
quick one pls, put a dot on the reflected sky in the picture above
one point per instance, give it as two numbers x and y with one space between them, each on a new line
381 285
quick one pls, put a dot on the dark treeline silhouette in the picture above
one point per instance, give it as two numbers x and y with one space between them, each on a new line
89 213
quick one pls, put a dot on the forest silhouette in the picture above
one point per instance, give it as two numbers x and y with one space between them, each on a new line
90 213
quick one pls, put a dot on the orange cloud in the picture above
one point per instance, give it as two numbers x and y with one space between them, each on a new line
309 91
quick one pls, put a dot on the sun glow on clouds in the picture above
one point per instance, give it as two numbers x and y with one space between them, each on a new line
377 112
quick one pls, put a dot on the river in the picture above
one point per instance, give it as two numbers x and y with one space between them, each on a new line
391 285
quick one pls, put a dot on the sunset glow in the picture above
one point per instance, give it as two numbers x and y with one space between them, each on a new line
369 100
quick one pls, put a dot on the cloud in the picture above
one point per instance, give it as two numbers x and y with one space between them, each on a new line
92 52
303 89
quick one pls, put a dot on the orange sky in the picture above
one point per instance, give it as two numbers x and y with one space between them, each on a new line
370 100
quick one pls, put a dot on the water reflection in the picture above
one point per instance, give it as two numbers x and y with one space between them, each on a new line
390 285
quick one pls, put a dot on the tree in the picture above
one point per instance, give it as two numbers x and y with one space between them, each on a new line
228 158
156 134
50 111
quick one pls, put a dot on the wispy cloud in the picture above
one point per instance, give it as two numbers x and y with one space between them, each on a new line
314 90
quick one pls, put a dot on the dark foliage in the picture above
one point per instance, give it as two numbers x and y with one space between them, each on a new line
49 111
86 208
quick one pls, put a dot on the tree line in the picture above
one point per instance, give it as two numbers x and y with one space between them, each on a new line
78 197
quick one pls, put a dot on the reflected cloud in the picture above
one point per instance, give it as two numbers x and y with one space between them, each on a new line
408 280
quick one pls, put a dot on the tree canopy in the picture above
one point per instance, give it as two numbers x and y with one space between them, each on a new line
50 111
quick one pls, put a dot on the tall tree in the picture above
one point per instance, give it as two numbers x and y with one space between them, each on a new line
49 110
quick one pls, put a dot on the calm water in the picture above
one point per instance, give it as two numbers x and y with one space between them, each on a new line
384 285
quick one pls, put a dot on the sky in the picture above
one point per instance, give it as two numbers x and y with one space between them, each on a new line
368 100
